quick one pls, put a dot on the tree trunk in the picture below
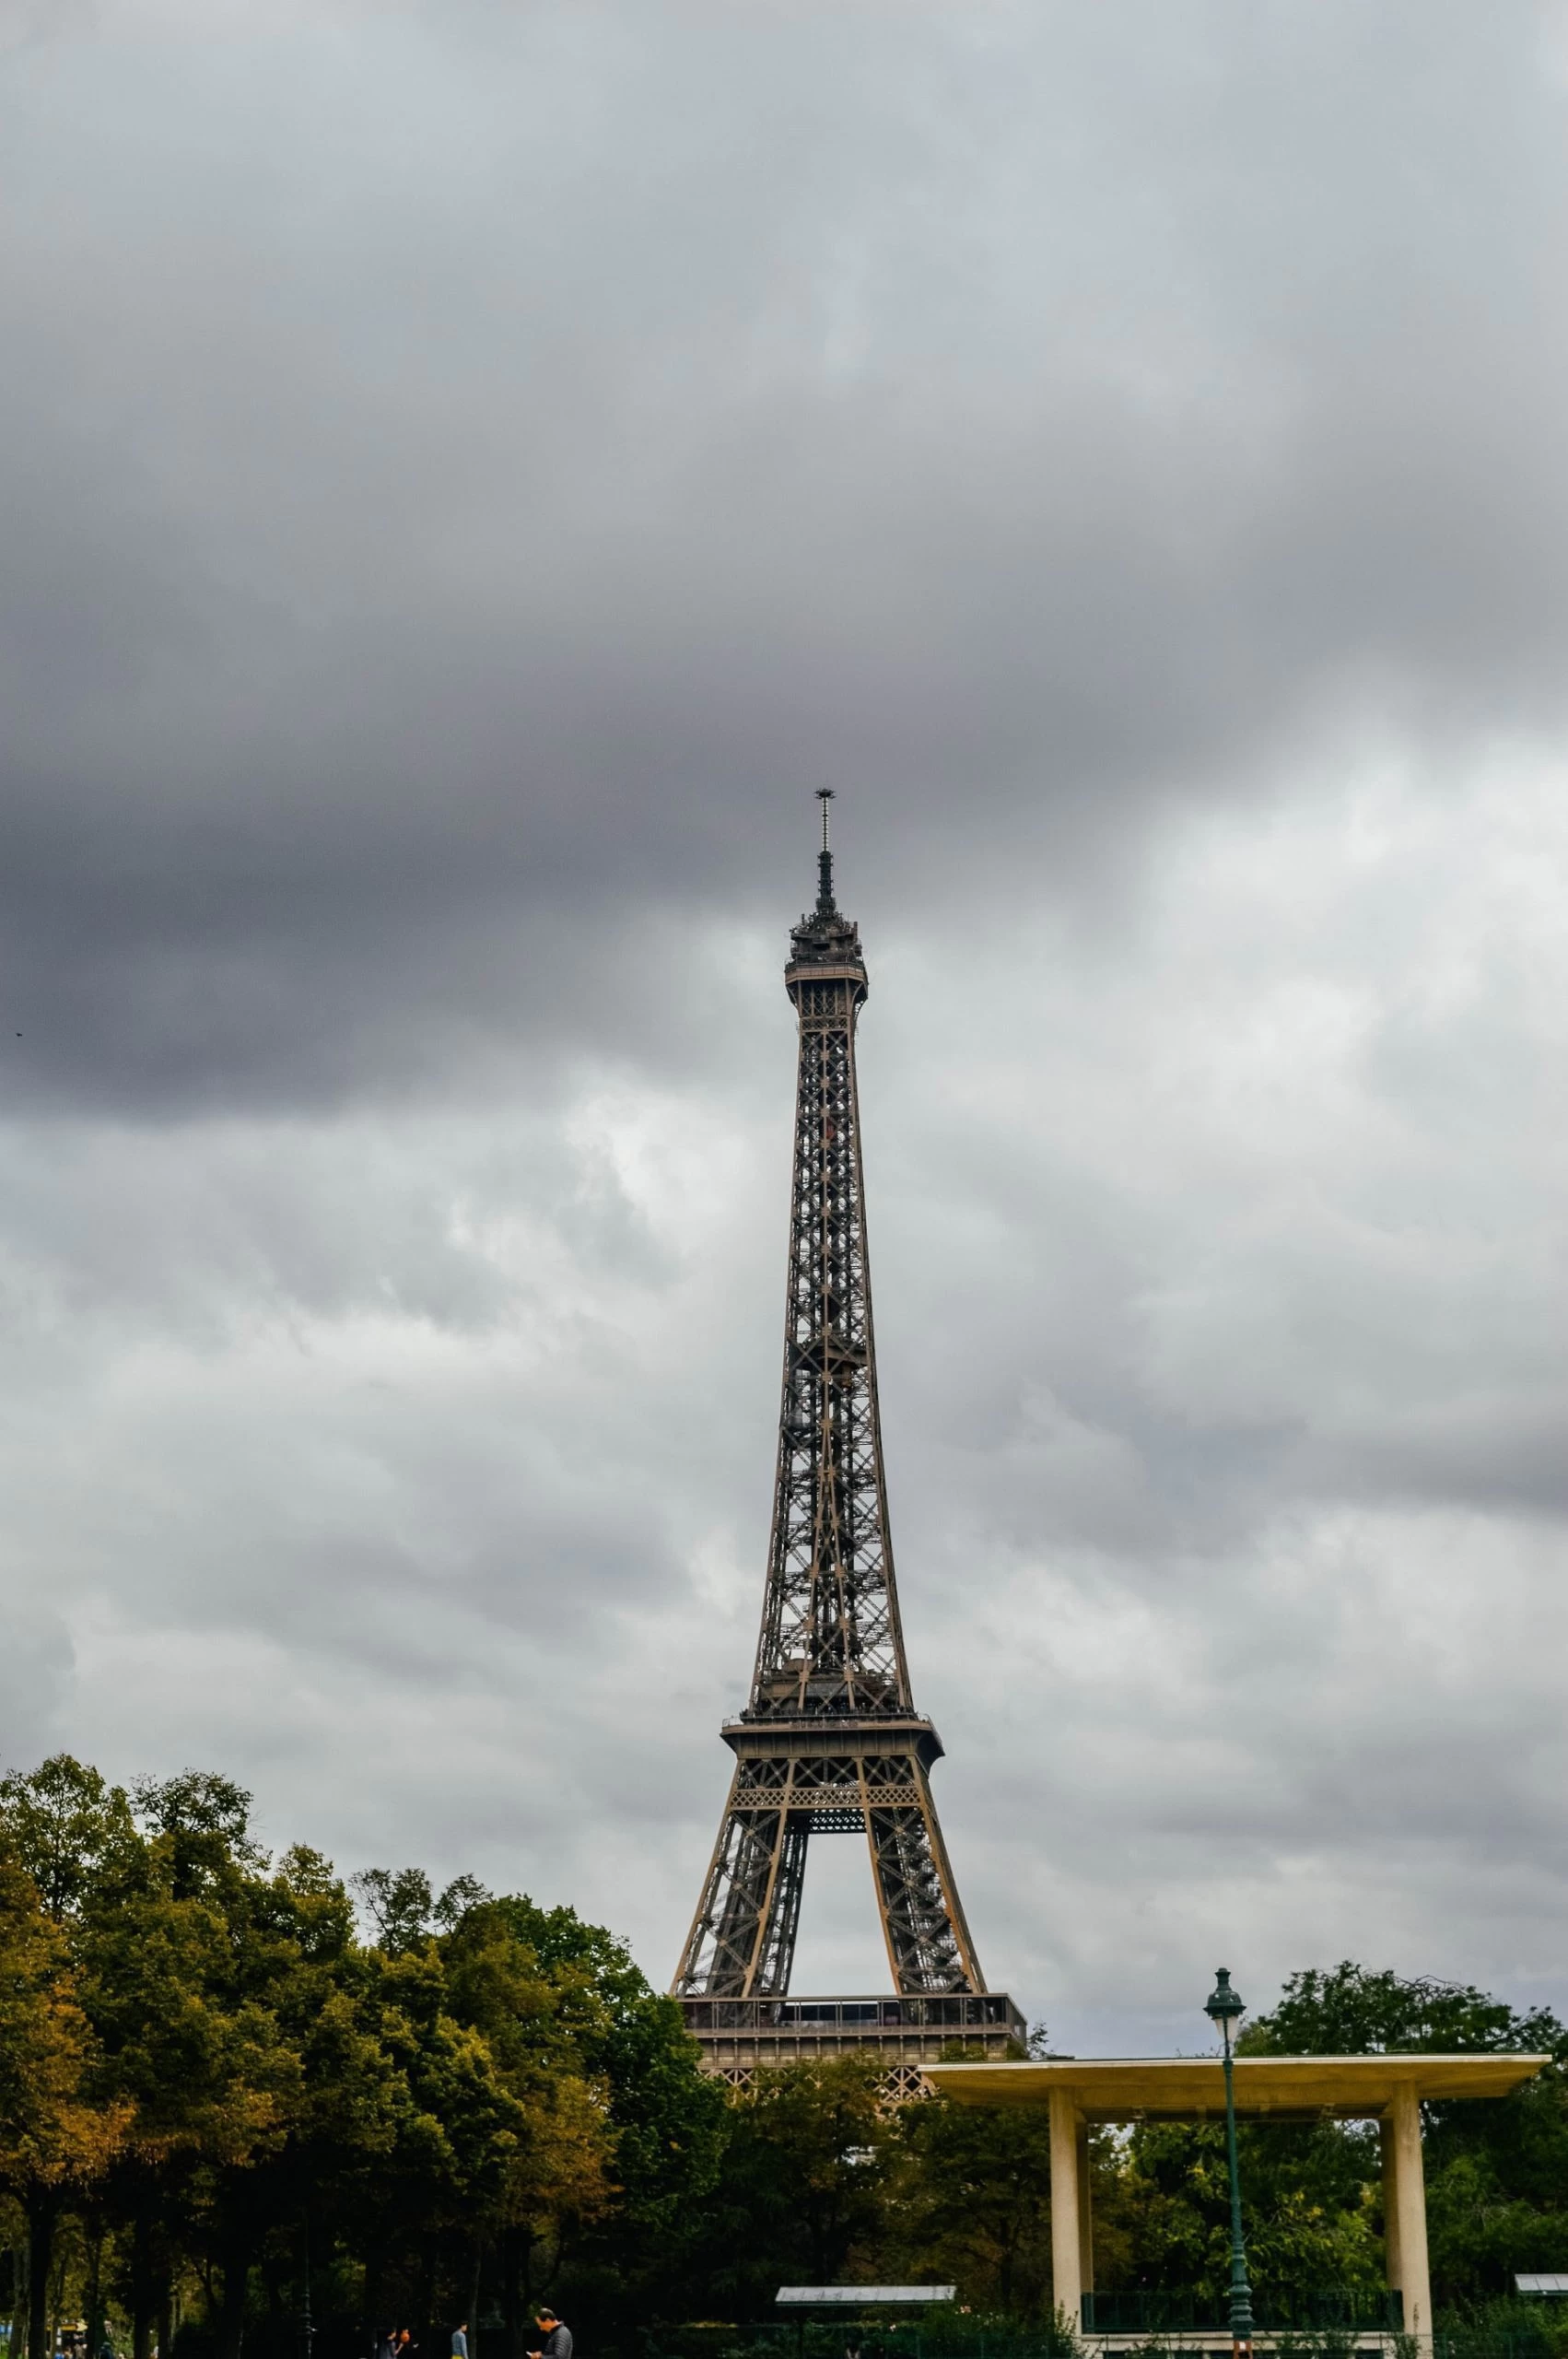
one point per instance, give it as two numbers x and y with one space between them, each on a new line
370 2298
42 2213
22 2304
512 2294
425 2284
57 2292
143 2292
94 2288
275 2337
235 2284
473 2304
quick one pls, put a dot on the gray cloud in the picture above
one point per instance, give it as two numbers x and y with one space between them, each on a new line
469 472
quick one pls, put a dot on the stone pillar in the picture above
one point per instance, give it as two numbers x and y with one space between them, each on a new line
1393 2271
1085 2213
1067 2270
1408 2191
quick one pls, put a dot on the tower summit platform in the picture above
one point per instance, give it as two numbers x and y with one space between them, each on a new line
830 1742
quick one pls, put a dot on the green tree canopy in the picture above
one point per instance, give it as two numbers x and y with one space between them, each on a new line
222 2089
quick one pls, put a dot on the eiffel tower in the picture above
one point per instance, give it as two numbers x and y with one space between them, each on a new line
830 1742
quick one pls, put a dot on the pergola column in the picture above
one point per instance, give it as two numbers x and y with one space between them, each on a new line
1085 2213
1067 2210
1404 2209
1393 2270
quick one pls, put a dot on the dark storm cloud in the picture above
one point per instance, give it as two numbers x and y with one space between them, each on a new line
469 472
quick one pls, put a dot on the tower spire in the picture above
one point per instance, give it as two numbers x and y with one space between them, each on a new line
824 904
830 1741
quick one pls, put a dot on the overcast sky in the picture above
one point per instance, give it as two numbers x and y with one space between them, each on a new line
470 469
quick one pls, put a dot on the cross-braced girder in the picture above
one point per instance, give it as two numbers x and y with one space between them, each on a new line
830 1639
789 1785
830 1742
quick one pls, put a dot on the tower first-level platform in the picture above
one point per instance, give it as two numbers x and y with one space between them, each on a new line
904 2035
1390 2090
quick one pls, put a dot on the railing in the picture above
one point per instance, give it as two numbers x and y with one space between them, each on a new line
1321 2324
875 2336
1491 2342
970 2010
1327 2310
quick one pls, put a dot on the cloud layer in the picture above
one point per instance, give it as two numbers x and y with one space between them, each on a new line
470 470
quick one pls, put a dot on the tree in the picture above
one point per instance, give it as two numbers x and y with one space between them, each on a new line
207 2069
1351 2011
65 1826
399 1903
668 2122
626 2132
805 2185
1496 2172
182 1957
976 2200
54 2139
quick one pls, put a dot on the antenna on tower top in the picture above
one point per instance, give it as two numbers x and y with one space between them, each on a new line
824 857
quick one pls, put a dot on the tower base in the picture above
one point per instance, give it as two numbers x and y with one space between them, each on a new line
737 2036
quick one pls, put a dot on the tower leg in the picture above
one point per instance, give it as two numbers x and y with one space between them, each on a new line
742 1943
781 1918
927 1942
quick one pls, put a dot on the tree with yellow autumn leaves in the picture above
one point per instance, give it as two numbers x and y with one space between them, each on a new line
226 2109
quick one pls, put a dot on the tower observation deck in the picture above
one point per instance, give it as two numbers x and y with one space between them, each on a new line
830 1742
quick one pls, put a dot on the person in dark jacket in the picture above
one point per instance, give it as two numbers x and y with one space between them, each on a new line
557 2339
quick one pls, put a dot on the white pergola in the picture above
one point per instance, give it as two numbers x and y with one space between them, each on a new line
1385 2089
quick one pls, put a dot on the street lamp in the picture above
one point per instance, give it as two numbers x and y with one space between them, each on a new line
1224 2007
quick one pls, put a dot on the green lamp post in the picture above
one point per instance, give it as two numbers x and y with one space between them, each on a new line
1223 2008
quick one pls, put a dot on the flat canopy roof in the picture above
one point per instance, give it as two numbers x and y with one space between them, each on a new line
1189 2088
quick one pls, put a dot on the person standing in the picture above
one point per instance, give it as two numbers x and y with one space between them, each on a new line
557 2339
459 2341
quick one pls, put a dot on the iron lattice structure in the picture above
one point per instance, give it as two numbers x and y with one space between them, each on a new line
830 1742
